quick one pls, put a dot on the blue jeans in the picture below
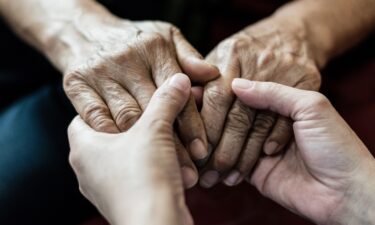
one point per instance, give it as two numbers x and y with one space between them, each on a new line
37 185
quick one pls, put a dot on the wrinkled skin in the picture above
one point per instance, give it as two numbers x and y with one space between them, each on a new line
112 76
266 51
125 192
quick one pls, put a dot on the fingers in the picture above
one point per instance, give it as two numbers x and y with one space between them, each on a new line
168 100
279 136
90 105
191 62
190 124
238 124
287 101
189 172
192 131
197 92
124 108
261 127
217 100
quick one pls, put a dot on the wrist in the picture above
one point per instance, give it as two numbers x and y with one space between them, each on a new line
63 34
358 203
318 38
148 205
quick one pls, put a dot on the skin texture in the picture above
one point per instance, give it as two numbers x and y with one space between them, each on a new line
132 193
267 51
288 48
326 169
112 66
325 175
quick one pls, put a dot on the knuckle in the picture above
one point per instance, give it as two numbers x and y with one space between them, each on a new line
240 118
154 39
218 96
97 115
238 121
319 101
126 117
73 80
235 45
262 124
223 161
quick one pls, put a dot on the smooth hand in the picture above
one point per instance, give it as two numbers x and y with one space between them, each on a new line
326 173
134 177
267 51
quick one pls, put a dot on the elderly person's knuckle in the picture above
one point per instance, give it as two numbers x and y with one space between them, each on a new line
218 96
238 121
73 80
263 123
155 40
97 115
235 45
223 161
126 116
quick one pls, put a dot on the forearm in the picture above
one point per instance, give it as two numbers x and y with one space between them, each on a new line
44 24
331 26
158 206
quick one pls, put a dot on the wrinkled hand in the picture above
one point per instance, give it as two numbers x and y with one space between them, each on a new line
114 68
133 177
326 173
267 51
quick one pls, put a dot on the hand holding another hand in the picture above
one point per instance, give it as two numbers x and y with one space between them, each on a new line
270 50
112 67
326 173
134 177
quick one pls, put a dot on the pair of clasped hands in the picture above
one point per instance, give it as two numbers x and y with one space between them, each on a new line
140 134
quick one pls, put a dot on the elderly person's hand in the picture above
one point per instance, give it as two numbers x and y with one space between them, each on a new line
113 66
270 50
134 177
326 174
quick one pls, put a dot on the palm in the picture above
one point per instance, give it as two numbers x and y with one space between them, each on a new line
307 176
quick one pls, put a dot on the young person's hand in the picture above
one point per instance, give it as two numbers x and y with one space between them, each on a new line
326 173
134 177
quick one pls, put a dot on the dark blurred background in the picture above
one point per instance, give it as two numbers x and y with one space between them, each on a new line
348 81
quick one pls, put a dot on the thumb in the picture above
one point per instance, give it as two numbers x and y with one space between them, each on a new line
284 100
192 62
79 132
168 100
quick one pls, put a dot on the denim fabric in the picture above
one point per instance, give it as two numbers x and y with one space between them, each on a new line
37 185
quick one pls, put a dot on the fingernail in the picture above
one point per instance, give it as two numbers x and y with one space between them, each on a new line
189 177
181 82
198 150
209 179
270 147
242 83
232 178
